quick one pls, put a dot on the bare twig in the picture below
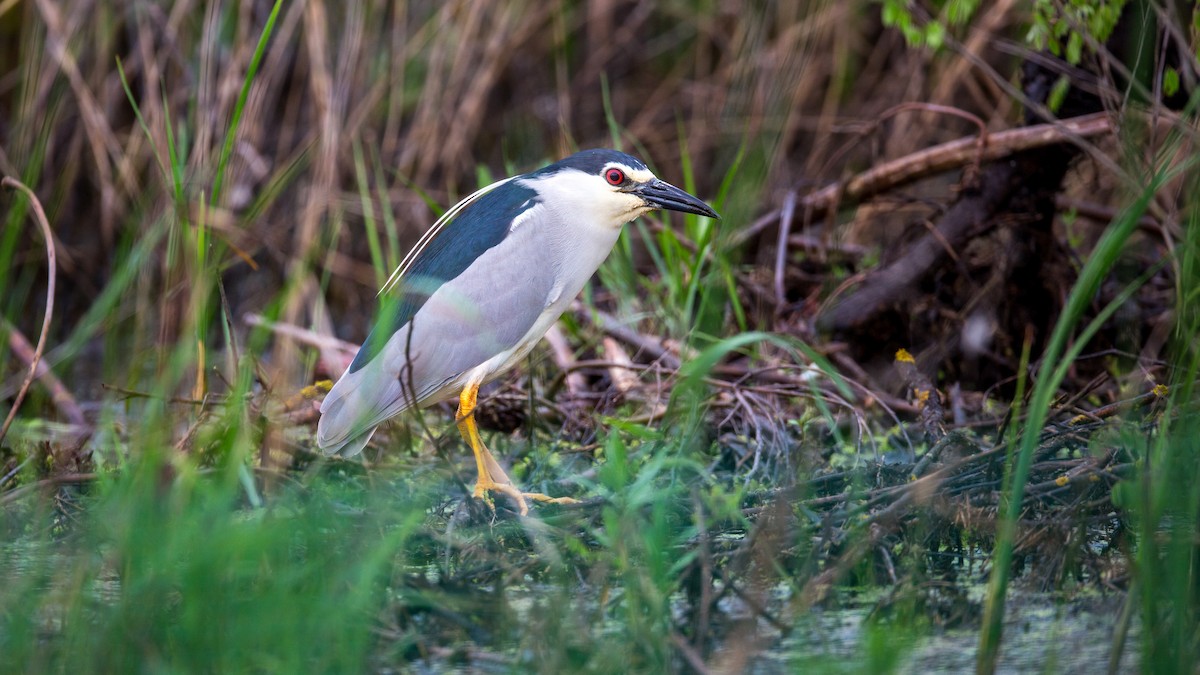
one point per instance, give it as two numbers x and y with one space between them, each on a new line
329 346
622 373
689 654
59 393
52 264
972 173
52 481
179 400
1103 214
564 358
785 229
980 143
615 328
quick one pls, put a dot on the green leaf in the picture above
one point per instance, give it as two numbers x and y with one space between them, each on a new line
1074 48
1170 83
1058 93
892 12
935 35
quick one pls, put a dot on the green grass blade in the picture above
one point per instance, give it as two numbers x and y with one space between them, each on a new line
1105 254
364 196
240 106
137 112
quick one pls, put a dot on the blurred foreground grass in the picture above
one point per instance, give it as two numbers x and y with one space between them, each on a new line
155 569
154 575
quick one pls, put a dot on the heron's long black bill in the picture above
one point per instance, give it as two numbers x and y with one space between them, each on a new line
663 195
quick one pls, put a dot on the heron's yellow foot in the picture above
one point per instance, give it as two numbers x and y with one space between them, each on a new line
485 485
492 477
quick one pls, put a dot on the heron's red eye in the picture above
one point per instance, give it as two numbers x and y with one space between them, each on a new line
614 176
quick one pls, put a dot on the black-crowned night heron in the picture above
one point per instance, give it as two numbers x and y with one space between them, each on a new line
481 288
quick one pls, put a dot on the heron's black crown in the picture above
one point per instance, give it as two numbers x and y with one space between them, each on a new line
592 161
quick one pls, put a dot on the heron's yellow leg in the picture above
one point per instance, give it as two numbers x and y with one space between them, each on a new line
492 477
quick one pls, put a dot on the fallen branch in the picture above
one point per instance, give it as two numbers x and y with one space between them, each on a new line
887 284
935 160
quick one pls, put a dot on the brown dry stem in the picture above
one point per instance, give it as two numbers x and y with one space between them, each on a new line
52 265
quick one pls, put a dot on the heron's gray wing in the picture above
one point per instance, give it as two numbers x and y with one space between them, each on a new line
476 225
451 325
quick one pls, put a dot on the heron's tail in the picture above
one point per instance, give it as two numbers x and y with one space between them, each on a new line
347 448
339 431
358 403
